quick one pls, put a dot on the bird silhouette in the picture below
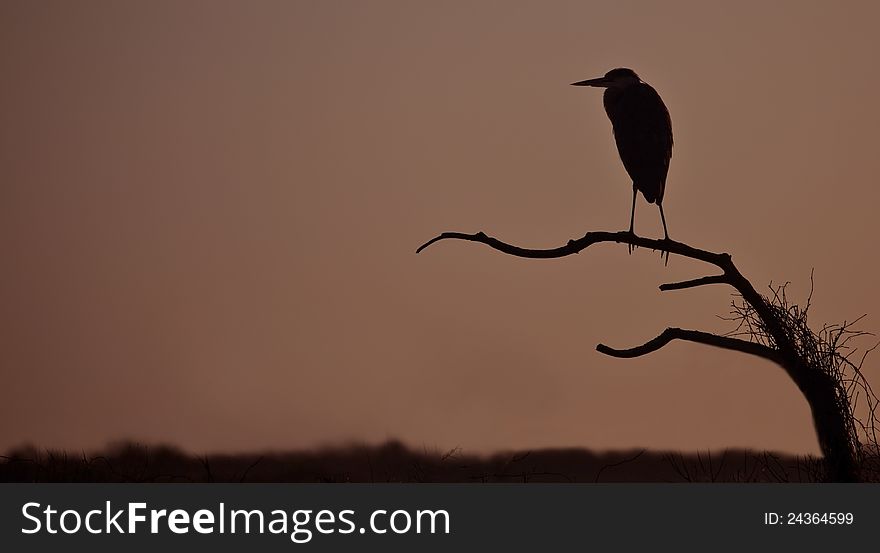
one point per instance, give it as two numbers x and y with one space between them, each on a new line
643 132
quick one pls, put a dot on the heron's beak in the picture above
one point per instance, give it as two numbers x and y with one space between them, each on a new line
601 81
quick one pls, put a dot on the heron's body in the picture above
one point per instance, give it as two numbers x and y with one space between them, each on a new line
642 130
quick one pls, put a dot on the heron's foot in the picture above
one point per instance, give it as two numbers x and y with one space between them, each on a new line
630 247
665 254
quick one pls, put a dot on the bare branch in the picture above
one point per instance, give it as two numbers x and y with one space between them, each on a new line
692 336
590 238
714 279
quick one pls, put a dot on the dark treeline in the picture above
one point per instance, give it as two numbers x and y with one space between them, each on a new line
394 462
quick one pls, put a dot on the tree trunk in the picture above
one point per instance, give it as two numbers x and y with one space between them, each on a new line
834 429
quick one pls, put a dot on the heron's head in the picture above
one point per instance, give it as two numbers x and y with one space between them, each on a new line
616 78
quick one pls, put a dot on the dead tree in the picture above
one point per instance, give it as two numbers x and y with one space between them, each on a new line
776 332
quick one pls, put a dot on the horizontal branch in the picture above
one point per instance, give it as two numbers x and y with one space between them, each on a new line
587 240
700 337
714 279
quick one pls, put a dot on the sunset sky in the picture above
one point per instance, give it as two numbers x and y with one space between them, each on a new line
209 213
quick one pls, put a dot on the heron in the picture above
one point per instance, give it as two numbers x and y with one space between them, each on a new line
643 133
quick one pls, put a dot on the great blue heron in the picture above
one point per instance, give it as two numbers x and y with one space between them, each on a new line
643 132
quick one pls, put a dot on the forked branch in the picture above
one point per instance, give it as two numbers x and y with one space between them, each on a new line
730 274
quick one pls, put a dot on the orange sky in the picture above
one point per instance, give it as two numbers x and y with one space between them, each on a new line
209 210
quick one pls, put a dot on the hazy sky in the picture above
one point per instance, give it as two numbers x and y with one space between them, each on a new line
209 211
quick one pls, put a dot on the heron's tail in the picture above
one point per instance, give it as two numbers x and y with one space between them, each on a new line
652 190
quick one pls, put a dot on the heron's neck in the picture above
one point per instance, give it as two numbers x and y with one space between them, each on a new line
610 99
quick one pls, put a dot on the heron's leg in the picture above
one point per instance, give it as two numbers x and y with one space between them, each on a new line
665 232
632 218
663 218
